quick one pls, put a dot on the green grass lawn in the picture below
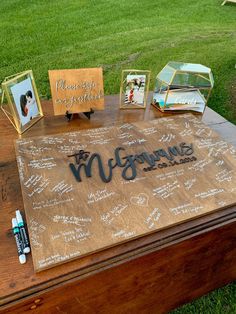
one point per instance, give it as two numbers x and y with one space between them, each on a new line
116 35
43 34
220 301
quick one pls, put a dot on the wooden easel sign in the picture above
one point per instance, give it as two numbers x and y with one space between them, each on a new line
76 90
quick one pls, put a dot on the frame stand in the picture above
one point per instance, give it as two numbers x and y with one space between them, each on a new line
9 106
88 114
6 109
69 115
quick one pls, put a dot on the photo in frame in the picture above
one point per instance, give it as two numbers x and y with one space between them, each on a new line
20 101
134 89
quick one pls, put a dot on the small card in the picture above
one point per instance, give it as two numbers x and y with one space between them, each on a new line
76 90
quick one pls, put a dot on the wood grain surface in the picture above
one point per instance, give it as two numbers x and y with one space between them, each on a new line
210 238
78 90
69 219
154 283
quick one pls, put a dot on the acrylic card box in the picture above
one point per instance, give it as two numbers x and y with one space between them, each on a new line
183 86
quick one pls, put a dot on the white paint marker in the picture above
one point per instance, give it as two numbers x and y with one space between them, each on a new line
16 232
24 237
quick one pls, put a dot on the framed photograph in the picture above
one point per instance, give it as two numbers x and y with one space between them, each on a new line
134 89
20 101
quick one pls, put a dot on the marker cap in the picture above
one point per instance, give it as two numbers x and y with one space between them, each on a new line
26 250
19 217
22 258
14 223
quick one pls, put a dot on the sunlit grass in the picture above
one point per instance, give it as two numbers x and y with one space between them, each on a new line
43 35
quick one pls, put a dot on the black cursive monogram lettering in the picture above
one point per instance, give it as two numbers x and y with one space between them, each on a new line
129 162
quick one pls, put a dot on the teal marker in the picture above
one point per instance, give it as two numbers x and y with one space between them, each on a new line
24 237
17 236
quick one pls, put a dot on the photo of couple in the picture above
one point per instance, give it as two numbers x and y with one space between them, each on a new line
24 99
26 102
135 89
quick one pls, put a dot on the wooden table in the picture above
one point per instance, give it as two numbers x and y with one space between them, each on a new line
152 274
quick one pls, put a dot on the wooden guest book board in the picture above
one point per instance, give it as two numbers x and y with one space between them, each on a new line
76 90
68 218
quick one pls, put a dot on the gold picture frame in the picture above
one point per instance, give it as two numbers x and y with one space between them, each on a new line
20 101
134 89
